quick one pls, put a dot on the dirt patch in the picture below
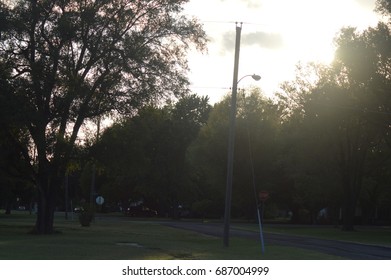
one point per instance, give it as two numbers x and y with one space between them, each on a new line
130 244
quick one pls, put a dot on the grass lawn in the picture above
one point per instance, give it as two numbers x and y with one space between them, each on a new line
121 239
367 235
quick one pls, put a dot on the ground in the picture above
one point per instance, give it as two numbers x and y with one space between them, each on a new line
116 237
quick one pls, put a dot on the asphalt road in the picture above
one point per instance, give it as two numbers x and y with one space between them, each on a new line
347 250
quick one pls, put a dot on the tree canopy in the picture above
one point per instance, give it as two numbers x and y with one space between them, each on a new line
70 61
145 157
344 113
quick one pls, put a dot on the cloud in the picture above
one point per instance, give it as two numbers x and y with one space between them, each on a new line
265 40
252 3
262 39
368 4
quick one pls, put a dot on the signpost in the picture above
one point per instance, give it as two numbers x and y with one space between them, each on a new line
263 196
100 200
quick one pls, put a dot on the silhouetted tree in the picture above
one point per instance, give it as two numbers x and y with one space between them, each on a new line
145 156
345 111
71 61
257 126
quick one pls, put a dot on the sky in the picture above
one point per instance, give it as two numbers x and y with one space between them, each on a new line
276 35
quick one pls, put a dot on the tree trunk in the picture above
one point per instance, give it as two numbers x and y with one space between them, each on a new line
352 188
47 192
352 161
45 214
8 208
348 214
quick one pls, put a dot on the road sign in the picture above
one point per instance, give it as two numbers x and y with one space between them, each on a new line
263 195
100 200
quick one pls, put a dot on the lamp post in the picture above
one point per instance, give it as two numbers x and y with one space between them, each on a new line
254 76
231 139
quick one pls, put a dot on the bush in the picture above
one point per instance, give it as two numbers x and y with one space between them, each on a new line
85 216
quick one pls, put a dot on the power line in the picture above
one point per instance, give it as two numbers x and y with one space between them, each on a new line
235 22
217 21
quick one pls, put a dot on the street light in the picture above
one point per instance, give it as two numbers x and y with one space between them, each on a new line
254 76
231 142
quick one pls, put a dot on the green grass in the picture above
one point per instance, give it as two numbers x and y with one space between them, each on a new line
120 239
367 235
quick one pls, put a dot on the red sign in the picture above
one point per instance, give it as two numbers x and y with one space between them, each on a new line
263 195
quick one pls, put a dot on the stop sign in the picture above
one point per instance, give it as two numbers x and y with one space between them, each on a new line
263 195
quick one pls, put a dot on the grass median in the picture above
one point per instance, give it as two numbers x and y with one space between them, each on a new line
122 238
373 235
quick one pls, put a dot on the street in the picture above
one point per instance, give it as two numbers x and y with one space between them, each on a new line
348 250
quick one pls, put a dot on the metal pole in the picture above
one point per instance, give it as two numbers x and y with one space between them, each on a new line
231 139
261 230
66 195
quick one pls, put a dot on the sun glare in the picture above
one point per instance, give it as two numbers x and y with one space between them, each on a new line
306 28
309 27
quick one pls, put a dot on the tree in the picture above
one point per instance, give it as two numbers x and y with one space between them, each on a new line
257 147
71 61
348 106
130 155
15 180
15 176
188 116
257 126
208 159
144 158
358 92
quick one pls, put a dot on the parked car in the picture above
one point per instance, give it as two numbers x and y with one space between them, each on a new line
78 209
140 211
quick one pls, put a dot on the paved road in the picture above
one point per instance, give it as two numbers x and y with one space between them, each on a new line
348 250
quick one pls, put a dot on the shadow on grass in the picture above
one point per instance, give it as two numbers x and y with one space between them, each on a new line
126 239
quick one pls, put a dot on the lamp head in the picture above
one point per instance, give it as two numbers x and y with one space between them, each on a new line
256 77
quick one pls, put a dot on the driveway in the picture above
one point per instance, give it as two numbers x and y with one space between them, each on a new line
347 250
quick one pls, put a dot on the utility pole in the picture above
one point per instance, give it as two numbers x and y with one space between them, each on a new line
231 139
93 177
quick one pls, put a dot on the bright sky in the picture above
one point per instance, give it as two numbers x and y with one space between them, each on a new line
276 35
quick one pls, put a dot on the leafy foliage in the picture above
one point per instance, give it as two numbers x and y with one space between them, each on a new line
144 158
71 61
342 116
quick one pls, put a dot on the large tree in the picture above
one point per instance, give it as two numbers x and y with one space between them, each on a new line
255 149
355 97
71 61
346 110
145 156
